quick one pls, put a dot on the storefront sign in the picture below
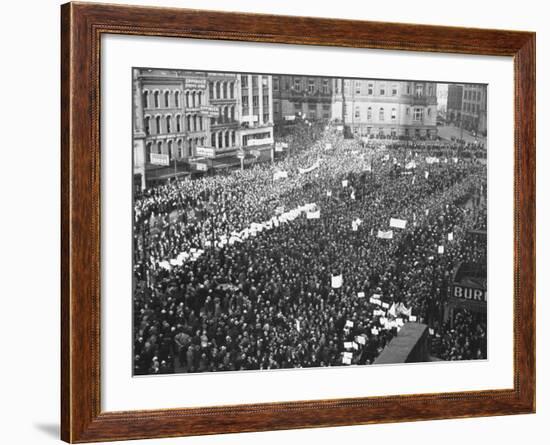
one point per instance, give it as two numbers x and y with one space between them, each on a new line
159 159
207 152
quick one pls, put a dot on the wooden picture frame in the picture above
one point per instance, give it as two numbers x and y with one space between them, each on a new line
82 26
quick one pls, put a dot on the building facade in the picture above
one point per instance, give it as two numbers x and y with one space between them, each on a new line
170 121
255 111
310 97
374 108
224 110
474 108
454 103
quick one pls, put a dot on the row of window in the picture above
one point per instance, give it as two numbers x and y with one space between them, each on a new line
418 113
170 124
174 148
472 95
171 99
226 115
367 131
383 90
255 78
223 139
221 90
298 85
471 107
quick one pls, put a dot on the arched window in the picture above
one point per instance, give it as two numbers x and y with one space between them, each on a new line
202 140
156 99
146 99
147 125
220 140
199 98
188 122
193 94
233 138
168 124
213 139
381 114
190 147
187 98
218 90
232 113
200 123
177 99
157 121
225 90
178 123
225 114
195 122
180 148
159 147
148 152
211 90
170 153
227 139
167 99
369 113
232 90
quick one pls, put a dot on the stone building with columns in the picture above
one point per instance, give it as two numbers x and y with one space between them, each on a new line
374 108
170 121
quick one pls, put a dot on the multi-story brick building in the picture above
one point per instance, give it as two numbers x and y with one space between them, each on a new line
474 108
370 107
454 102
310 97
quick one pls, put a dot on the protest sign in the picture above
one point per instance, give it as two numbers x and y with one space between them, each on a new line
337 281
398 223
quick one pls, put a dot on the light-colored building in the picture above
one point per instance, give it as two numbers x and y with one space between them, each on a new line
170 121
370 107
223 94
255 113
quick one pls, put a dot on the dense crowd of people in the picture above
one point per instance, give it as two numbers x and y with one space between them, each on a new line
268 301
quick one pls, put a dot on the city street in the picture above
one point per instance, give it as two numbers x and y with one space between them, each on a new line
448 131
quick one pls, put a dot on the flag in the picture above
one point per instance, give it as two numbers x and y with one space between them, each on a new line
345 183
392 310
440 249
298 325
398 223
450 236
313 215
360 294
349 324
412 318
337 281
329 193
328 146
410 165
432 160
426 174
352 196
385 235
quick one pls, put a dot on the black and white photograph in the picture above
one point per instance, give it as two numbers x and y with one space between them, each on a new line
287 221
